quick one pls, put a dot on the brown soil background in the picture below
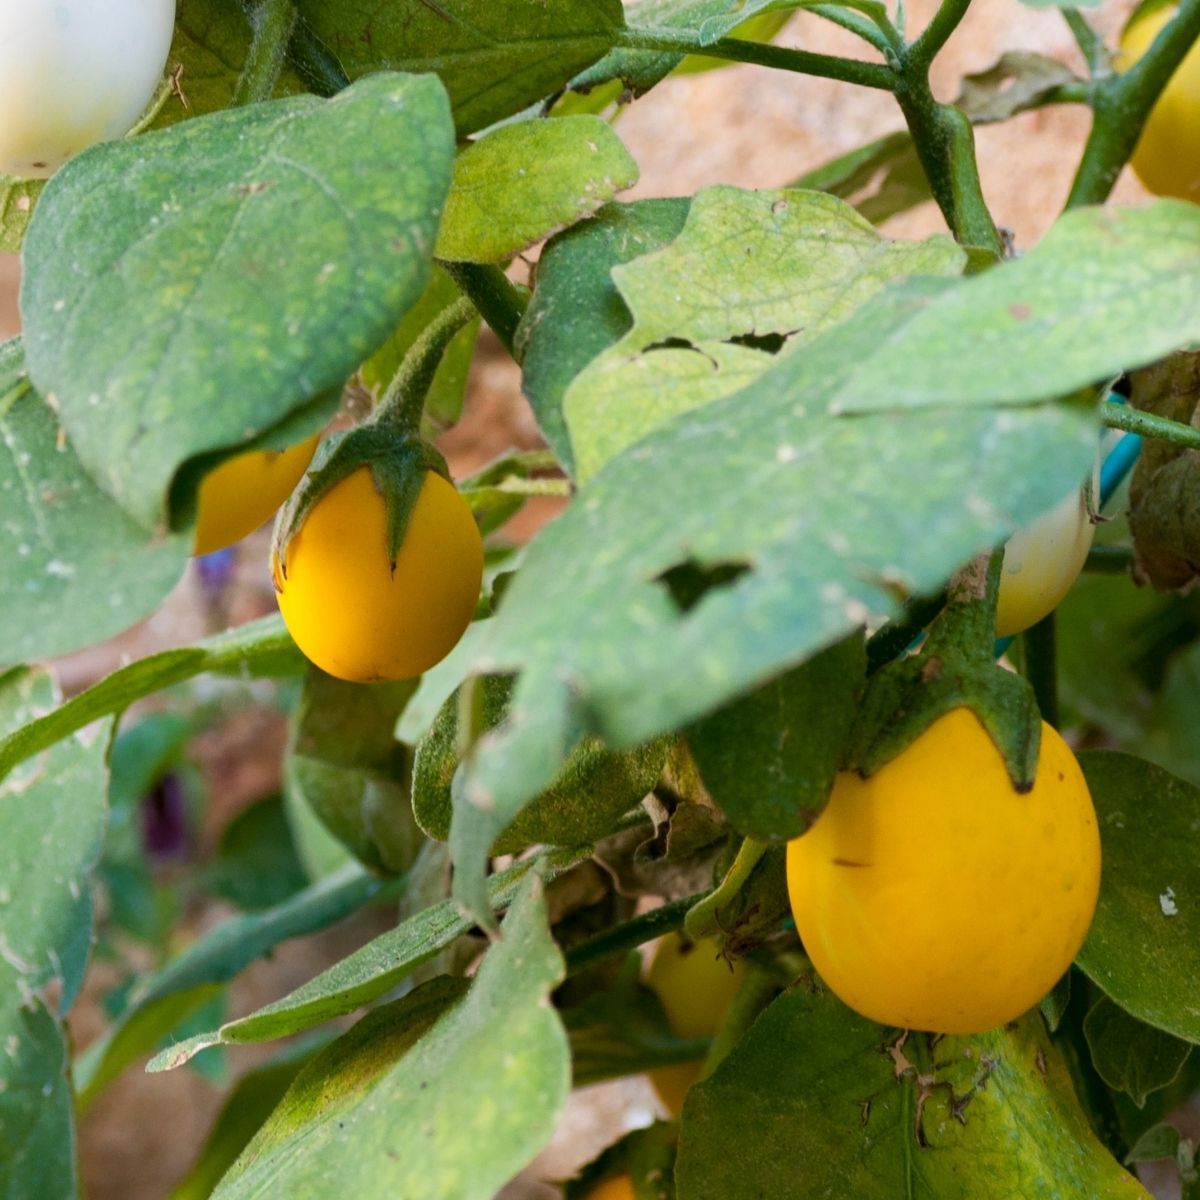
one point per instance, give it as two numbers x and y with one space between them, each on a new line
740 125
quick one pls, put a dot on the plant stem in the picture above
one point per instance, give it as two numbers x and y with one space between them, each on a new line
1133 420
937 33
272 22
665 919
702 919
403 404
894 638
876 30
1090 43
496 298
763 54
1121 104
1041 668
945 144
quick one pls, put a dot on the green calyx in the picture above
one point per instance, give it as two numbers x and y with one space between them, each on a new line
955 668
398 461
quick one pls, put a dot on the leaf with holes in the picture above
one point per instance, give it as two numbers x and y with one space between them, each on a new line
868 464
144 254
576 310
751 275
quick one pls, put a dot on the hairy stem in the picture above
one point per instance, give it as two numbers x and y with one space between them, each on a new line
272 22
1133 420
496 298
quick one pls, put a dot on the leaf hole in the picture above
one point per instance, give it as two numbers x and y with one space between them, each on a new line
687 583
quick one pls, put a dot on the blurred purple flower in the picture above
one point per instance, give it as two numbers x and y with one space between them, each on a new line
164 820
216 569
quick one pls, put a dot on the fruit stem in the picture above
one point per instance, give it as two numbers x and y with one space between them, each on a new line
403 404
272 22
702 920
667 918
500 302
1121 104
1133 420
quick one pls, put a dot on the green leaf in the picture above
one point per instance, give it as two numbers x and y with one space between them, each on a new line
595 787
1019 81
769 758
1129 1055
865 466
369 972
444 400
851 1111
454 1112
521 183
158 1003
1161 1141
576 310
711 311
256 865
495 57
53 815
202 251
646 1155
344 762
1144 946
261 647
252 1100
77 568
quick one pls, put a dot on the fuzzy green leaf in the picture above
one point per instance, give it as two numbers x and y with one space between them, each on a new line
454 1111
1130 1055
853 1111
751 275
53 814
77 568
521 183
202 251
369 972
576 310
495 57
1144 945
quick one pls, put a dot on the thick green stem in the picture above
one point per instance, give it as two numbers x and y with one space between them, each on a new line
1133 420
1122 103
763 54
316 64
403 403
945 144
496 298
272 22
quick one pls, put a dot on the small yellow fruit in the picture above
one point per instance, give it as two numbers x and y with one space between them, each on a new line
619 1187
1167 157
934 895
353 613
695 986
244 491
